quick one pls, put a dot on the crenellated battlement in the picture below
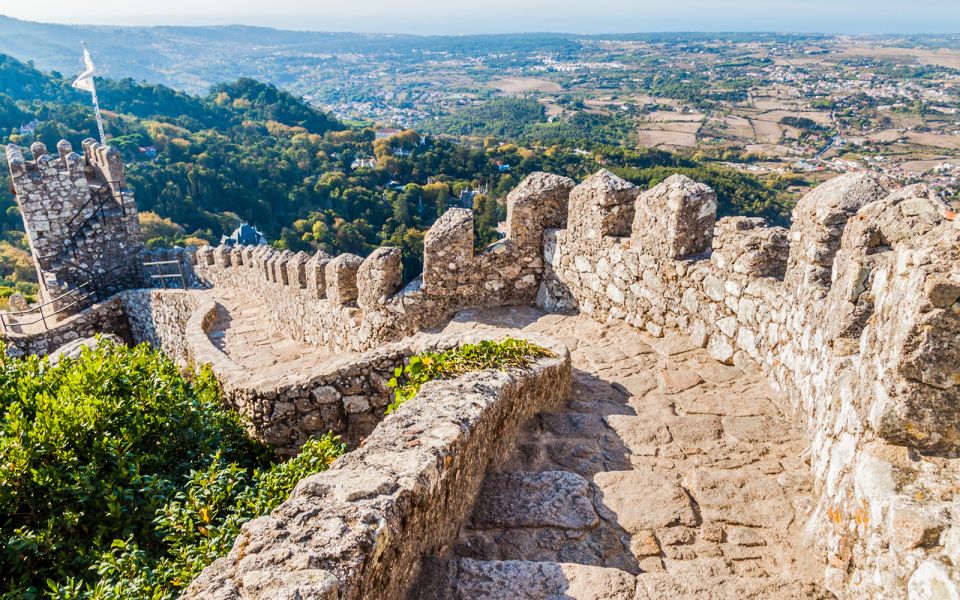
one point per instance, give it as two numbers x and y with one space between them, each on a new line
106 163
361 303
854 313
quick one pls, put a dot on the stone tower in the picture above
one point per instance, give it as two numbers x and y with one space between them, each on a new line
80 219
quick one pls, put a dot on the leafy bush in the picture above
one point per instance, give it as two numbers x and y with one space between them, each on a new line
506 354
114 464
202 521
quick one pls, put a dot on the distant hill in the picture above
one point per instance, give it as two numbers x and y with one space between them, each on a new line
194 58
187 58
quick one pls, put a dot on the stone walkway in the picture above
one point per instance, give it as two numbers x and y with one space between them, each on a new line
667 476
245 334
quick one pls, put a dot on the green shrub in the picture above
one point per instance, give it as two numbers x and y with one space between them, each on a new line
202 521
509 353
117 473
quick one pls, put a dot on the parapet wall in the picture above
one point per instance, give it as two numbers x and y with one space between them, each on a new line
853 312
346 303
346 394
360 529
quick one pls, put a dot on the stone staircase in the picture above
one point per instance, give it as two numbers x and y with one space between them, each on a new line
668 476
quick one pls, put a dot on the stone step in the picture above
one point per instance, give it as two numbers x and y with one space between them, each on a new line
574 441
466 579
559 499
546 516
572 425
698 586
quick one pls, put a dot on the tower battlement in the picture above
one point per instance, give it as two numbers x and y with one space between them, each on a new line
80 219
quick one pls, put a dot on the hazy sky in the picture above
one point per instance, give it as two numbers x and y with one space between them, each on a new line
497 16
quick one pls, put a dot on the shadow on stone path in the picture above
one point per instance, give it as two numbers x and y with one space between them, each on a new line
668 475
244 333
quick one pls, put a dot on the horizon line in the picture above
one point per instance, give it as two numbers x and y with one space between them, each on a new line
718 32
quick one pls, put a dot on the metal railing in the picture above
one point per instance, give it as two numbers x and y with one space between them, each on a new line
84 292
97 288
162 277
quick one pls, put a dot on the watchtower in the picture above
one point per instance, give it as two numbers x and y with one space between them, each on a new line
80 220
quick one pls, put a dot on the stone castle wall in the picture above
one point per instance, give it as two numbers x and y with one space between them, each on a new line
346 303
80 220
853 312
347 395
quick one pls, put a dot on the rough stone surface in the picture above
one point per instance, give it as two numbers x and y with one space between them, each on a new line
16 302
361 528
379 277
860 335
602 206
747 246
340 275
549 499
105 317
75 349
704 482
81 221
688 503
514 579
818 222
675 219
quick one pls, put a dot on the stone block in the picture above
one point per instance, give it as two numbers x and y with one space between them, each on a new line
746 246
539 202
270 266
818 222
236 256
341 278
549 499
283 267
222 256
18 166
602 205
38 150
64 149
297 270
720 348
675 219
866 249
448 251
316 274
912 358
379 276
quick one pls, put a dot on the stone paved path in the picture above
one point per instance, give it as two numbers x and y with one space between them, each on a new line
246 335
667 476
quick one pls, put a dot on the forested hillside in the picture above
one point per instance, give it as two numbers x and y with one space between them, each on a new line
249 151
